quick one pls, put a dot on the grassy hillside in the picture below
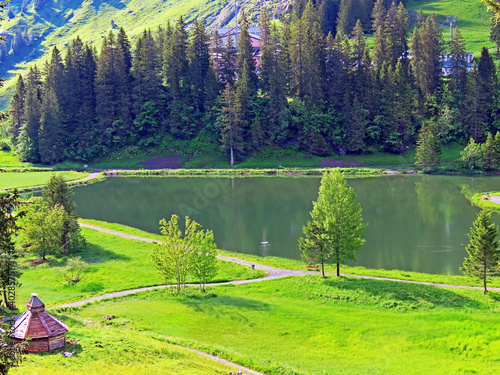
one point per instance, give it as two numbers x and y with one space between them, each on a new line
473 19
306 325
61 20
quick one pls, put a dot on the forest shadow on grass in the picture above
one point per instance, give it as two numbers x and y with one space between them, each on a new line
394 295
97 254
232 307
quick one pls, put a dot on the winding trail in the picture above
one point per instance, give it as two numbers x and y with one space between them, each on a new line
272 273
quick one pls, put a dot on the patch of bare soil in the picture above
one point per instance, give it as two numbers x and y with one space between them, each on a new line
35 262
338 163
163 162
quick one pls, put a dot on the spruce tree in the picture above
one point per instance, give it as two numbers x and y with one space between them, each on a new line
58 193
483 249
28 142
426 46
313 58
488 153
51 133
428 149
458 73
245 60
230 124
145 71
199 66
496 151
475 107
17 105
175 70
227 65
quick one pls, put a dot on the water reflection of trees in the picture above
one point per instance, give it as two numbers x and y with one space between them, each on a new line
415 222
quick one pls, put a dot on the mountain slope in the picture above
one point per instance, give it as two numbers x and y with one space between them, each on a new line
59 21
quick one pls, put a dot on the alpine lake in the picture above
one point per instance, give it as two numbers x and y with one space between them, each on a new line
415 222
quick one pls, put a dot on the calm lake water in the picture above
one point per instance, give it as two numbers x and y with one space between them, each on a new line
416 223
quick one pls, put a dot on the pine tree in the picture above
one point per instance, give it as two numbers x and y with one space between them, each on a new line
28 138
496 151
426 45
145 71
17 105
475 108
51 142
199 66
483 250
428 147
488 153
230 124
79 101
458 73
58 193
245 60
226 69
313 58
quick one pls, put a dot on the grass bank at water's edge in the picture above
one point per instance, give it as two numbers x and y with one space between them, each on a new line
293 264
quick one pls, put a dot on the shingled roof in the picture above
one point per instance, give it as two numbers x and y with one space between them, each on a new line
37 323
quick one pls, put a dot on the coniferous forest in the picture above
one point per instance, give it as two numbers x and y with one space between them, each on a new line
312 89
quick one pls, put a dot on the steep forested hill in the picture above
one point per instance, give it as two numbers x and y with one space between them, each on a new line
41 24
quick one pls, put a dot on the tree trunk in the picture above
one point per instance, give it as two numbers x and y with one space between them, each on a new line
484 277
232 155
338 263
7 304
323 268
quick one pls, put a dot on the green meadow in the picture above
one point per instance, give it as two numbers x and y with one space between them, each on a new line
473 19
11 180
115 264
109 349
306 325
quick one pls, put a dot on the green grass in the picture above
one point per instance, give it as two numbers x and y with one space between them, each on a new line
9 180
109 349
9 159
115 264
273 158
473 19
293 264
478 200
306 325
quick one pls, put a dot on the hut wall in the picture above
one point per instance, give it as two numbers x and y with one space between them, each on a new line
35 345
57 342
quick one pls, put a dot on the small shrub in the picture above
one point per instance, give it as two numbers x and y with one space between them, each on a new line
73 271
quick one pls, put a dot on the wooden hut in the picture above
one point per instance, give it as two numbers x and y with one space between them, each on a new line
47 333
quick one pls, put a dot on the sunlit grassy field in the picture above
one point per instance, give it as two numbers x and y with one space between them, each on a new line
473 19
10 180
110 349
306 325
115 264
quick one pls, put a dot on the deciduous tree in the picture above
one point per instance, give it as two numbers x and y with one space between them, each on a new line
337 220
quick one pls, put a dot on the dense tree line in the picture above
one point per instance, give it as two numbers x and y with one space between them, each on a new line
321 92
